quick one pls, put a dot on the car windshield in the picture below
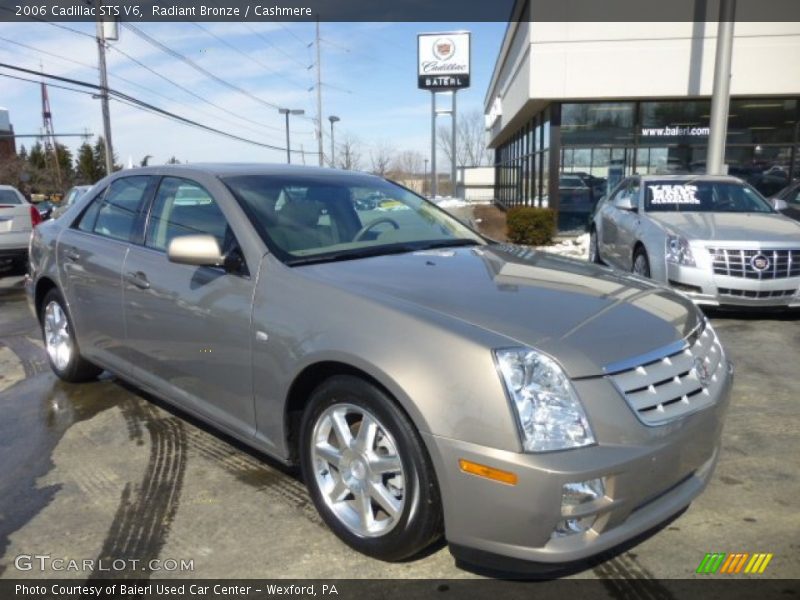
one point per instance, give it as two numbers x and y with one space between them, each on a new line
9 197
703 196
317 219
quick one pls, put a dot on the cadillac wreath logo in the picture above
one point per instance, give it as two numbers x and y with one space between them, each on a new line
444 48
759 263
701 372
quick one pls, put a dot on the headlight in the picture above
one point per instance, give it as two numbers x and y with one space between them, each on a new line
549 413
679 251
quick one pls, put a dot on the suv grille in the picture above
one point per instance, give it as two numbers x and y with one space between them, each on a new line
778 264
669 387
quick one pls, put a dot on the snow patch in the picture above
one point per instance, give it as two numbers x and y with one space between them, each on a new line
576 248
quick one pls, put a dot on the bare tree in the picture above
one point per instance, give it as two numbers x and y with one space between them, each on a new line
407 169
381 158
349 153
471 148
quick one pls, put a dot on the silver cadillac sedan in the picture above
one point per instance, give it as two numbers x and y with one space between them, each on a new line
713 238
429 382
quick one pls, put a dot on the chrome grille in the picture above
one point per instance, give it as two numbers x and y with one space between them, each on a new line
756 293
668 387
738 263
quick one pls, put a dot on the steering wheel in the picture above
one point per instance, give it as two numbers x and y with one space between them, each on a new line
363 231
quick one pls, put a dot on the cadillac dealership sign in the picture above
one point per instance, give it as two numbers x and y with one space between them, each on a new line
443 60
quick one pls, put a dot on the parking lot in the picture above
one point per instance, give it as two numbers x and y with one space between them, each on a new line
102 471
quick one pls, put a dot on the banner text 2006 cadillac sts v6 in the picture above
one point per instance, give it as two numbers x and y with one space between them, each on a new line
428 381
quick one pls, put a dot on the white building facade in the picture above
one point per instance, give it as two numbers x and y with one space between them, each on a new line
604 100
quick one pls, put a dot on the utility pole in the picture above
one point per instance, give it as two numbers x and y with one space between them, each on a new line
319 98
101 59
721 95
50 143
287 112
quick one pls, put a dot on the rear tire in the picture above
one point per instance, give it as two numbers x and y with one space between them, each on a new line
367 470
641 264
62 348
594 250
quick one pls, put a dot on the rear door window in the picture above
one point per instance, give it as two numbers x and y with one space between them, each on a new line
119 211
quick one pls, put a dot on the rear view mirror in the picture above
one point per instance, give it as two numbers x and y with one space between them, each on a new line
199 250
779 204
625 203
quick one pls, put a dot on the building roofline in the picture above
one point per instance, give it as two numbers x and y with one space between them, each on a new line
511 29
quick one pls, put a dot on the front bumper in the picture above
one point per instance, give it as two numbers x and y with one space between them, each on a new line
709 289
650 474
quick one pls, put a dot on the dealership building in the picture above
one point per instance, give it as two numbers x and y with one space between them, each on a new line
573 107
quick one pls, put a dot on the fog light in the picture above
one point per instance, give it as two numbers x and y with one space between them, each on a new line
573 526
581 492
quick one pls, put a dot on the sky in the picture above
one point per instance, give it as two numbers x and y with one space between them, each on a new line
368 75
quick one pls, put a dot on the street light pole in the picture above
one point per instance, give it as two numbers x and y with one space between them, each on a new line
287 112
425 177
333 119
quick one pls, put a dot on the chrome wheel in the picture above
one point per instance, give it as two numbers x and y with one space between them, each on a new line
358 470
57 339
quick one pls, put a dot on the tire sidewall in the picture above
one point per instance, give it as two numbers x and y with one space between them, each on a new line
641 253
404 539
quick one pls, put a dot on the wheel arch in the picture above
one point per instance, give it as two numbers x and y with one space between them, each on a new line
309 378
43 287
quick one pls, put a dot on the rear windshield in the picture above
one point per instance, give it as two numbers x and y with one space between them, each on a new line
703 196
9 197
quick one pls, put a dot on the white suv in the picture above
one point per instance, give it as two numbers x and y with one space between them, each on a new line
17 218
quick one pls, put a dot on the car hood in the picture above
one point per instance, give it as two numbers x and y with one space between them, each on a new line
585 316
734 227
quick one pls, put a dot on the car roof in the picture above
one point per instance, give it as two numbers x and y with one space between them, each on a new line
8 187
233 169
690 177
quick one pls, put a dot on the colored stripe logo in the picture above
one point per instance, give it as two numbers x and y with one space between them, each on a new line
736 562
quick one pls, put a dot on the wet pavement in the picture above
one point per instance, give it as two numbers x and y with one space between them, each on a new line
103 471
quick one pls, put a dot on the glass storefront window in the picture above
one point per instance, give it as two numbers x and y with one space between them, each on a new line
598 123
762 121
674 122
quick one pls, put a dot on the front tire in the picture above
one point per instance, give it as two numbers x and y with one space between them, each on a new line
367 470
641 264
60 343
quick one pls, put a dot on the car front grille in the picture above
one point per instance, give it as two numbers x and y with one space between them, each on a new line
779 264
681 381
756 293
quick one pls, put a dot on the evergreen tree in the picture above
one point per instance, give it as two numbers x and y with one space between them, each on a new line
173 161
87 169
99 151
36 157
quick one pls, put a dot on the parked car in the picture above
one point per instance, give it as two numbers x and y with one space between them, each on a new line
426 380
17 218
714 238
45 208
790 195
70 198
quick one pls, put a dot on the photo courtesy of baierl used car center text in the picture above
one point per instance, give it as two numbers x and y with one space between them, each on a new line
350 299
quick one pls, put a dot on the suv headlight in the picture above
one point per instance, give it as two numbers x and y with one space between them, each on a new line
548 411
679 251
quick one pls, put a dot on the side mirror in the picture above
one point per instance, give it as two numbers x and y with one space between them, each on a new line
199 250
779 204
626 203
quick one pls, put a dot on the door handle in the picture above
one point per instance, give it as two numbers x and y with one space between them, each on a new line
72 254
138 279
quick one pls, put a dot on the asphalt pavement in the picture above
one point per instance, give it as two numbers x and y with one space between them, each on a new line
103 471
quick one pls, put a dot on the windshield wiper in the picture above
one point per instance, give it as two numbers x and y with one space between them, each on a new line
379 251
456 243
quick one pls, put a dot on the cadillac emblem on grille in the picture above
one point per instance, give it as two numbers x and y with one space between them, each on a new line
701 371
759 262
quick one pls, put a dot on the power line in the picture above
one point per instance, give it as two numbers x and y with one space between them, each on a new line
193 94
175 54
269 43
249 57
125 98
